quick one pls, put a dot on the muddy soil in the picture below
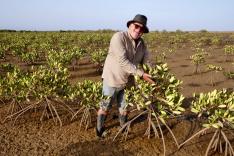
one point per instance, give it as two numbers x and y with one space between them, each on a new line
28 136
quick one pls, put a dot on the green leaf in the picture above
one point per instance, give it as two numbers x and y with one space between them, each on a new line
220 124
148 103
216 125
176 112
181 109
163 112
222 106
206 125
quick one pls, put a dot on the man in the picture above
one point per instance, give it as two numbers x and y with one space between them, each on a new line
127 50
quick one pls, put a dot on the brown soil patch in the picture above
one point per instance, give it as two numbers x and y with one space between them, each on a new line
31 137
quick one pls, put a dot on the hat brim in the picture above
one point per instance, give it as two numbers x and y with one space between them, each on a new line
146 30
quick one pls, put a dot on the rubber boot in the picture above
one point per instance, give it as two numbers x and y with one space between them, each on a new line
100 125
123 119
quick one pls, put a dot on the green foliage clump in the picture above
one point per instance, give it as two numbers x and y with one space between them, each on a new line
217 107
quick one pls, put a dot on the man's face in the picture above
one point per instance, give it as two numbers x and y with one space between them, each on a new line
136 30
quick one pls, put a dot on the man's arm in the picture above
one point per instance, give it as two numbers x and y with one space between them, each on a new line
118 48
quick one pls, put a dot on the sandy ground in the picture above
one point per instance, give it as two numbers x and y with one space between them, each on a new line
31 137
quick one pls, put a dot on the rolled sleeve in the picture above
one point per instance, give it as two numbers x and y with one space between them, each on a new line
139 72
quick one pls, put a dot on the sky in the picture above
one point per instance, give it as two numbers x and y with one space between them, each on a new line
170 15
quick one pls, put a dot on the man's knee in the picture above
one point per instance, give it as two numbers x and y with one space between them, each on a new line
105 105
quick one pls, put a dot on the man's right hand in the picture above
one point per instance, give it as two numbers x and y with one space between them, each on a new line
147 78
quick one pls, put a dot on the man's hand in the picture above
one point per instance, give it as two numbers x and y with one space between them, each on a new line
147 78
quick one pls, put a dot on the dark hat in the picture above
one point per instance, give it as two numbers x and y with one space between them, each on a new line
140 19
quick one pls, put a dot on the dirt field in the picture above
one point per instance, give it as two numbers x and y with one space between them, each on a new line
31 137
